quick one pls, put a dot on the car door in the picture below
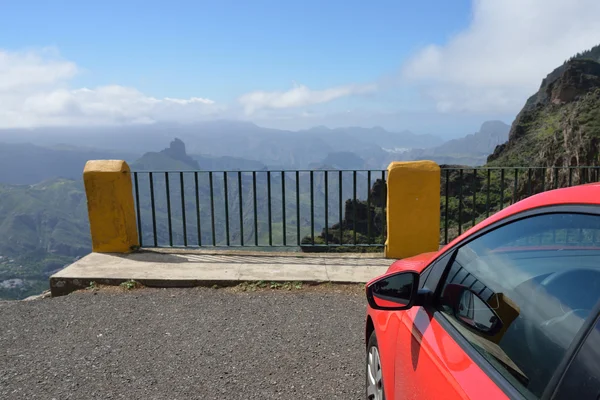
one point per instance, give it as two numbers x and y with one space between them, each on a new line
525 288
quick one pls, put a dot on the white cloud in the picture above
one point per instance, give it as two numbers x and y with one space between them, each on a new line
20 71
298 96
34 91
189 101
501 58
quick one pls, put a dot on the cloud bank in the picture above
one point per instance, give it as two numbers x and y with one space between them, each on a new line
34 91
298 96
503 55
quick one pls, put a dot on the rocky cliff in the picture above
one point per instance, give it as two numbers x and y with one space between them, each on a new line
560 124
176 151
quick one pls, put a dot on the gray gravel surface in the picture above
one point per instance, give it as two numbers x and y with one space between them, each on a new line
184 344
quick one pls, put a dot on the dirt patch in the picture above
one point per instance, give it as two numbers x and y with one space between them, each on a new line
326 287
259 286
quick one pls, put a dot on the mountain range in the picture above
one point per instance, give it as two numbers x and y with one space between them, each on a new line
43 215
215 145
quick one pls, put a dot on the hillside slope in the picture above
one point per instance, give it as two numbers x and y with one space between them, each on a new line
562 128
42 228
560 124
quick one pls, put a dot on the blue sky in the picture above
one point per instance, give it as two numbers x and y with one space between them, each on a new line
291 64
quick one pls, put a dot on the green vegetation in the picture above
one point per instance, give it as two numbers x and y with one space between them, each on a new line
43 227
130 284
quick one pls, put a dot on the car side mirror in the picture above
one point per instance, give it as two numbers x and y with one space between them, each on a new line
394 292
471 310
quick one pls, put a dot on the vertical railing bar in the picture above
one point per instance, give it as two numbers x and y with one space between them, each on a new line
543 180
226 195
312 208
383 205
570 176
354 205
269 207
153 206
198 209
340 207
446 216
255 208
487 196
137 206
183 218
474 186
298 239
515 186
241 205
169 208
283 207
502 189
212 207
529 189
460 199
370 237
326 207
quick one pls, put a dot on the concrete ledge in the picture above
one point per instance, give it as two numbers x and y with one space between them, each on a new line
176 268
224 251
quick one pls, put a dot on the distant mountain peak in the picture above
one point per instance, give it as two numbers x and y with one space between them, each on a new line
176 151
493 125
319 128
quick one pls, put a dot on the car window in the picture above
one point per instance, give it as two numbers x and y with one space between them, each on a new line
582 379
431 276
520 293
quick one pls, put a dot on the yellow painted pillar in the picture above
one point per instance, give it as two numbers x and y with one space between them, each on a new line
110 206
413 208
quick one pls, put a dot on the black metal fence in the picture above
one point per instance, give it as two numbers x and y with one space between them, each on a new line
320 209
312 210
470 195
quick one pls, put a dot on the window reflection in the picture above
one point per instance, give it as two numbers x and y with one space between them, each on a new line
396 289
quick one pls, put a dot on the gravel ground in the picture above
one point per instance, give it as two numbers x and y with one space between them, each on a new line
184 344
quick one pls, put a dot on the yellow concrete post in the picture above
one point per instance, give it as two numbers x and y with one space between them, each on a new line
110 206
413 208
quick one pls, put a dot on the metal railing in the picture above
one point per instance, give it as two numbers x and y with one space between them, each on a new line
470 195
262 209
317 210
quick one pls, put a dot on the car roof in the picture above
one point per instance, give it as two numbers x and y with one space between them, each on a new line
588 194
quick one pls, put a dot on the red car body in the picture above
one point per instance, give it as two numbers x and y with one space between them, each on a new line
419 359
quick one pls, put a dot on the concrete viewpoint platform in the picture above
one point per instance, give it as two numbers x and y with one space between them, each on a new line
184 268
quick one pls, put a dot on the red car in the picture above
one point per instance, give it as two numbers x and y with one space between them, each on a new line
510 309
